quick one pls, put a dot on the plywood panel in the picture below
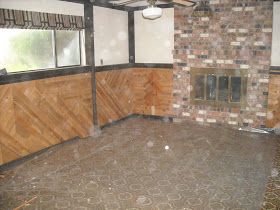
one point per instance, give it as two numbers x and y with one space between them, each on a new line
133 91
143 91
37 114
273 115
152 91
114 95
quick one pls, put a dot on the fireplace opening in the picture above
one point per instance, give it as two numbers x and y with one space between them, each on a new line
218 87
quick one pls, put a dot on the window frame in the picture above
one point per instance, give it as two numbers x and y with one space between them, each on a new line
56 67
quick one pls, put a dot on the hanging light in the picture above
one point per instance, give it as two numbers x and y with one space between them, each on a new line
152 12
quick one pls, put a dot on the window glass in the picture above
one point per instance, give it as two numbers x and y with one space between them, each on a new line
211 87
223 88
67 48
26 49
199 87
235 89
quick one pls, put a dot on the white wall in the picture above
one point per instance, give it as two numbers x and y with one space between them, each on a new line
110 36
49 6
275 56
154 39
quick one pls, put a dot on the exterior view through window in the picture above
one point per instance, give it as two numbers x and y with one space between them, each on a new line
68 48
26 49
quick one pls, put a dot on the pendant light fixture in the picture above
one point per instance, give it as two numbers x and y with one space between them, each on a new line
152 12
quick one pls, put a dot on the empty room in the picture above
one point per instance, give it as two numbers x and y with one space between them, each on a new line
140 104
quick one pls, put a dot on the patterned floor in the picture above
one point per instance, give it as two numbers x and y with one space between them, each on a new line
147 164
272 193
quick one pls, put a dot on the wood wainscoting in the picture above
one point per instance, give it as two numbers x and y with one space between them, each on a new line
152 90
133 91
114 95
38 114
273 114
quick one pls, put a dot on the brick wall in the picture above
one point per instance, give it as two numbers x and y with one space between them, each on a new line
237 36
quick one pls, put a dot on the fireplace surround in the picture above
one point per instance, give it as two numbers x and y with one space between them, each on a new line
235 38
218 87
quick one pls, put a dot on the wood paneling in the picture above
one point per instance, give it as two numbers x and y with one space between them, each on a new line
273 115
38 114
152 91
133 91
114 95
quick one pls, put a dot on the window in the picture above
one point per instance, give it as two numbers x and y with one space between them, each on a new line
28 49
68 48
199 88
218 87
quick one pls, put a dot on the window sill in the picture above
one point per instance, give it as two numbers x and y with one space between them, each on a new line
42 74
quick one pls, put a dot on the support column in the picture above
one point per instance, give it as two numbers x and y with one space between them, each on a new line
89 48
131 37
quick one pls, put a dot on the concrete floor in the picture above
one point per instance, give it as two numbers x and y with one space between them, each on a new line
129 166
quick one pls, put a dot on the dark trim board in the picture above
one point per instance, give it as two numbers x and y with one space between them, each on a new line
14 163
106 4
163 6
131 37
133 65
149 117
42 74
75 1
154 65
90 58
49 73
22 160
110 6
275 70
113 67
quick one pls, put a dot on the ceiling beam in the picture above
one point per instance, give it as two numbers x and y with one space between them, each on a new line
75 1
100 3
171 5
106 4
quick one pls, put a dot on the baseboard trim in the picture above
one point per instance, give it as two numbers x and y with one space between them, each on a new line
150 117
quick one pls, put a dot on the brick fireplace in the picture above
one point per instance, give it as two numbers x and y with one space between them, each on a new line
218 87
235 39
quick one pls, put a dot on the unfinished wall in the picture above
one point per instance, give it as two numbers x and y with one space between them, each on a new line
110 36
154 39
237 36
38 114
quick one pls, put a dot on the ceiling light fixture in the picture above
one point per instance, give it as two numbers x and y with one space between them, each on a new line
152 12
